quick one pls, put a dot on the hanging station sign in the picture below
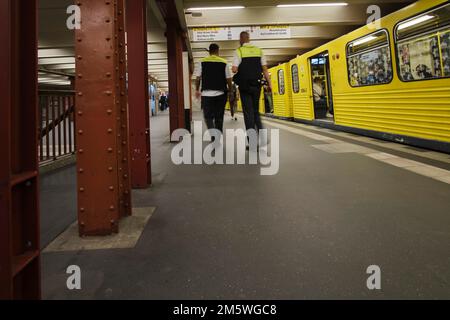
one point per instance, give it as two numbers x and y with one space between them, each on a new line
232 33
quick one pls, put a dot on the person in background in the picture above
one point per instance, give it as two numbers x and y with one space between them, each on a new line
214 76
423 72
233 99
268 103
319 96
249 64
163 101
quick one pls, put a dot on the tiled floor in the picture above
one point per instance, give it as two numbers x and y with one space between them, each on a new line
336 146
311 231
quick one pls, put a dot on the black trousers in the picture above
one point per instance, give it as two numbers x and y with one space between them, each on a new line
250 107
233 107
214 111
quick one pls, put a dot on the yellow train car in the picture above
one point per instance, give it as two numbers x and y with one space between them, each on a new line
302 106
282 92
389 79
262 105
239 104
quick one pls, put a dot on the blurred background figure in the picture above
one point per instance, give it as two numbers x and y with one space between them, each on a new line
163 102
233 98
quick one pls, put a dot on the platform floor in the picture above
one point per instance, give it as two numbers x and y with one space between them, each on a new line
310 232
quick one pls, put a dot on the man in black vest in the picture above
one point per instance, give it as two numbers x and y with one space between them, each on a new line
249 64
215 77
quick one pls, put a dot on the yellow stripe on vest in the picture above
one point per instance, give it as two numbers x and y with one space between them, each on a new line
214 58
249 52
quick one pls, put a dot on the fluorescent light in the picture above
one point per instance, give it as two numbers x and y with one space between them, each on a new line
61 82
364 40
216 8
329 4
415 21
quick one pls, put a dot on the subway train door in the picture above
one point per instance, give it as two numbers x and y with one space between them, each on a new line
322 95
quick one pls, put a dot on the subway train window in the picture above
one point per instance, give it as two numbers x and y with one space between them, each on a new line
295 79
445 53
281 85
369 60
423 45
317 61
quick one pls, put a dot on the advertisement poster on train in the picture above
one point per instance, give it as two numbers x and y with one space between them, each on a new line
445 50
420 59
372 67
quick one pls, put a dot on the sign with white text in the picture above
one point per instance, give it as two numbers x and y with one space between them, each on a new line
232 33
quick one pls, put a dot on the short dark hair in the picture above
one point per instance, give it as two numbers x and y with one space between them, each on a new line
214 47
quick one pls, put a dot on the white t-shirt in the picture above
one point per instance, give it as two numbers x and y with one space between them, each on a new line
211 93
318 91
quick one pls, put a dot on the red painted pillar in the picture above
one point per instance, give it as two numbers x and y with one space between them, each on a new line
190 95
19 205
123 141
176 86
138 95
98 117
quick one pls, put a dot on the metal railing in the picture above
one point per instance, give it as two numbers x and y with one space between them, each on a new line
57 124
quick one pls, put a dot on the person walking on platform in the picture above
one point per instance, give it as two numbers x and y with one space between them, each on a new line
163 102
233 99
249 65
215 77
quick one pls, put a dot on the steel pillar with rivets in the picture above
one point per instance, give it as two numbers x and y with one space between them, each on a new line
19 178
176 86
98 119
124 169
138 92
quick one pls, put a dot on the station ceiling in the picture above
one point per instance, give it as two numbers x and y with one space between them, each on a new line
310 26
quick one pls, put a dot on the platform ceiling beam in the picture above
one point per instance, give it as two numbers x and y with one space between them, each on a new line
354 14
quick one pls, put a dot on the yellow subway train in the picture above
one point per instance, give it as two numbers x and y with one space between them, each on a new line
389 79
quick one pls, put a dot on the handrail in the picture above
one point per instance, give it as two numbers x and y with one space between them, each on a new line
56 124
58 73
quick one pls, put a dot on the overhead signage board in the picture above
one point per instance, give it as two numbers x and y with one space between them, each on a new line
274 32
232 33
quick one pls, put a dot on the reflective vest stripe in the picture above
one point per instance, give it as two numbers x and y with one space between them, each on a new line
214 59
249 52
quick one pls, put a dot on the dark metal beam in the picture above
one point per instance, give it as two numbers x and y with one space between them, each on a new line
123 139
176 87
175 45
19 205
